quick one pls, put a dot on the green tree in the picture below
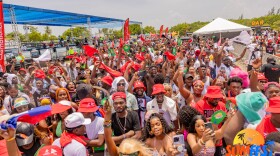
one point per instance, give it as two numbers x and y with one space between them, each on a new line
77 32
117 34
149 29
11 36
181 28
46 35
52 37
276 25
34 35
134 29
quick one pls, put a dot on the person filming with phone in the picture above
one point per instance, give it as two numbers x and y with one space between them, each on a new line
202 136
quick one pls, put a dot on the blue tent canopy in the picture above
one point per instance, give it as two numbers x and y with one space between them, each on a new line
36 16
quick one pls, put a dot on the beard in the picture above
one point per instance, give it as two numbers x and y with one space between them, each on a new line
214 104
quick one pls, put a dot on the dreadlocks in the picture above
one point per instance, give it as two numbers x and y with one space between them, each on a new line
186 114
166 128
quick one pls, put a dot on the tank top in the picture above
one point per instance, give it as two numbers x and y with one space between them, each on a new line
58 130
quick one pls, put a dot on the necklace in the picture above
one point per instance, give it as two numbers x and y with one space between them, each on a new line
122 127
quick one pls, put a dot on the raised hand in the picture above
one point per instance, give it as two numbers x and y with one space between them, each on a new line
257 63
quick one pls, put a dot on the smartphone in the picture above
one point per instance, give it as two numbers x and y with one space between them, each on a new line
178 140
164 58
276 153
142 73
209 125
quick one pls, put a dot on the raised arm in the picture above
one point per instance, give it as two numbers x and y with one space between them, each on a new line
183 91
242 54
111 146
27 82
254 75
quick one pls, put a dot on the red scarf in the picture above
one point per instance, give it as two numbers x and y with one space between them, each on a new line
66 138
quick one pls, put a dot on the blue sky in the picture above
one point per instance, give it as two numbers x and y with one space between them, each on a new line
155 12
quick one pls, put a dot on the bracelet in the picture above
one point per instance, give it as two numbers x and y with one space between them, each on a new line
11 139
107 126
201 141
109 121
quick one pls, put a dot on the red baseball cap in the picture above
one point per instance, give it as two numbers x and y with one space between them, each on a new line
50 150
158 88
108 80
39 73
61 106
87 105
138 84
274 105
121 95
261 77
214 92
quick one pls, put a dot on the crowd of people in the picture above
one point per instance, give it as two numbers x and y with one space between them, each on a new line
152 96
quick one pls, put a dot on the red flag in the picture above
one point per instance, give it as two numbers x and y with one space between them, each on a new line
113 44
160 31
142 38
112 72
166 31
136 66
126 30
123 68
219 42
139 57
89 51
2 39
169 55
121 42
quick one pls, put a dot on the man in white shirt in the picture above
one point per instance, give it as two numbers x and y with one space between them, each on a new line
163 105
72 140
94 130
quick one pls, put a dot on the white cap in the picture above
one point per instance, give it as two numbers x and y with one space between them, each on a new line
76 119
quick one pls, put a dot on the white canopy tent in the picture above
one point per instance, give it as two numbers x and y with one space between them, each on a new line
223 26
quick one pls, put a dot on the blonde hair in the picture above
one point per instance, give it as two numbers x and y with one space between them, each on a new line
130 145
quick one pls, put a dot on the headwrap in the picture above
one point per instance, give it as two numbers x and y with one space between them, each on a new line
10 77
198 81
116 81
119 95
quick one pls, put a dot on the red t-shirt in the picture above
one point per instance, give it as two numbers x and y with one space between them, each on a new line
265 126
3 148
206 109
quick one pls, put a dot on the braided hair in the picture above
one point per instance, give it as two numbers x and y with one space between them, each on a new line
186 114
166 128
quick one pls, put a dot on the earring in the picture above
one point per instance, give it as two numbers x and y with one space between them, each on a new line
151 133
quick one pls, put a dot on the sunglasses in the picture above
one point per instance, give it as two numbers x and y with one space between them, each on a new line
121 84
131 154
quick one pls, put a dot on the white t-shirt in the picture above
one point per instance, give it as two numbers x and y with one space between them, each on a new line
72 149
228 69
168 108
95 128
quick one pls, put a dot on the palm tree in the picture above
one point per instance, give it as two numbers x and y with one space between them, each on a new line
241 136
